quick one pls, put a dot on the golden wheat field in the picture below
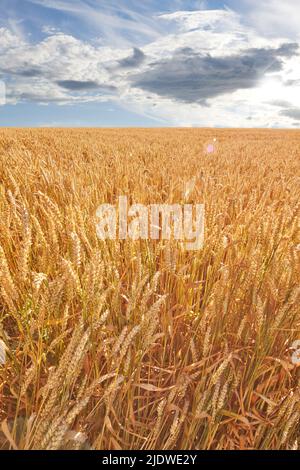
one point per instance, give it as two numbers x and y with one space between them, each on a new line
124 344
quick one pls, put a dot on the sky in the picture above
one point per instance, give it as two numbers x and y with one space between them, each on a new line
150 63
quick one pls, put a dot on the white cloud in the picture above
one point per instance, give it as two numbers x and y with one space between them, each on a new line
219 20
34 70
271 18
9 40
65 69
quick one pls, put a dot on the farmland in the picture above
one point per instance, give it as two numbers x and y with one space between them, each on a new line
142 344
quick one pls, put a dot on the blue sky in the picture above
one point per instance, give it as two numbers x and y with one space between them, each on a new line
109 63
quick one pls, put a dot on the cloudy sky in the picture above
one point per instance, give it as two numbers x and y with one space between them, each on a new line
150 63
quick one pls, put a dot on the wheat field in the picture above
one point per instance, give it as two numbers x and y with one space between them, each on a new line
123 344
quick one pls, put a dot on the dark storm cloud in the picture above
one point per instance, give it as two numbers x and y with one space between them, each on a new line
137 58
190 77
77 85
293 113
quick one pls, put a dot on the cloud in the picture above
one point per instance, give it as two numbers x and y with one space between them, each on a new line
9 40
279 103
293 113
137 58
288 49
207 20
198 68
56 68
190 77
77 85
292 82
271 18
30 72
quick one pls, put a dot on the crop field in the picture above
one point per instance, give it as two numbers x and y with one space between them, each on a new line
144 344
